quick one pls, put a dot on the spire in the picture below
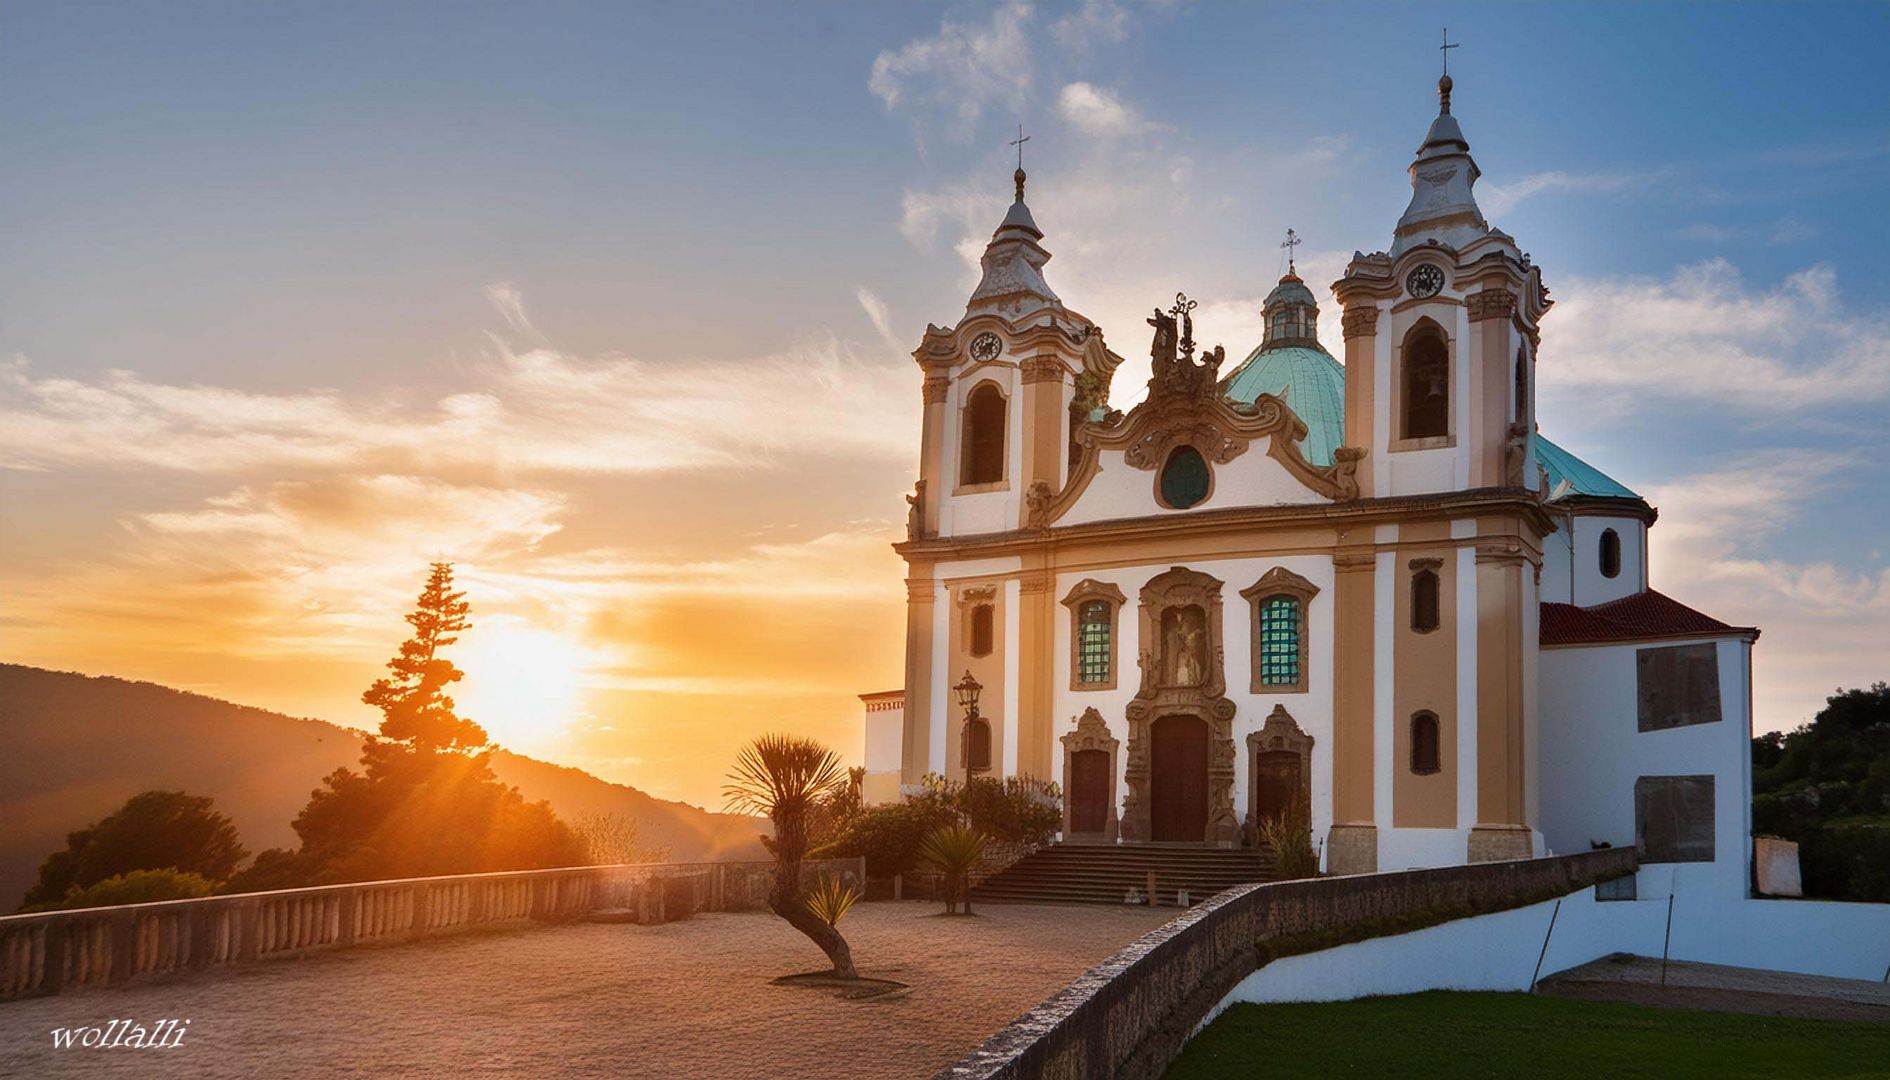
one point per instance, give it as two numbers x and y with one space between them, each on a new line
1443 209
1012 281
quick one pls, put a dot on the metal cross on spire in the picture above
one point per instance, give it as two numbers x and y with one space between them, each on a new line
1292 241
1445 49
1019 143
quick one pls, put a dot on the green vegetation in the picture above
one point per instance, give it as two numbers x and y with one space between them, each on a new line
425 802
1016 810
136 887
789 779
832 898
1454 1036
955 851
1827 786
1291 838
154 830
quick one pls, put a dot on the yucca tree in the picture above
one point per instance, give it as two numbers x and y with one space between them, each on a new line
954 849
785 777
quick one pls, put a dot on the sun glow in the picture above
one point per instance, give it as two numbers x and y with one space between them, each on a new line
523 684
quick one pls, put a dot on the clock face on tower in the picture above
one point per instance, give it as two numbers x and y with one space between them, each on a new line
986 346
1425 279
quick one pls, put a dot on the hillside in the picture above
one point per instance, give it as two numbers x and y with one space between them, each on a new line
74 747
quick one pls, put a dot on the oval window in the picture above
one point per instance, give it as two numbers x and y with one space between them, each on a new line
1184 478
1610 553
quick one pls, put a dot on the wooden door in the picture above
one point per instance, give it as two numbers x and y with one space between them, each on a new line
1276 781
1178 794
1089 791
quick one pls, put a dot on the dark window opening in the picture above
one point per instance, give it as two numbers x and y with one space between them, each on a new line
1678 685
984 436
1184 478
1522 386
1077 418
981 630
1424 617
1673 818
1610 553
1426 386
978 748
1426 754
1092 642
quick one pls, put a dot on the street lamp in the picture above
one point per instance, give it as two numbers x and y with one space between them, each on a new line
967 691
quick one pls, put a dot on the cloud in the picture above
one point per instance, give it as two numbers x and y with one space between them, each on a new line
875 309
1704 335
1823 624
1096 111
1499 199
962 71
517 413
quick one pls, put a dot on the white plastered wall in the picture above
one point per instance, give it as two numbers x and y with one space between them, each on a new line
1571 560
1119 490
1312 709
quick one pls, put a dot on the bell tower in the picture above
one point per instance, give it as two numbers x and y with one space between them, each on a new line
1440 337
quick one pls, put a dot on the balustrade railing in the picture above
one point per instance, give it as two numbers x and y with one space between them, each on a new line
53 952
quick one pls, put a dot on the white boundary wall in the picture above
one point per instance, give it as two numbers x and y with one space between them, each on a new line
1498 952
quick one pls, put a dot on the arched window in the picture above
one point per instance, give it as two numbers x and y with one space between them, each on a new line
1425 754
1095 622
1424 616
978 744
1184 478
984 435
1281 651
981 630
1426 385
1610 553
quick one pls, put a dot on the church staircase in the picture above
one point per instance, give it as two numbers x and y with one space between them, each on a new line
1105 873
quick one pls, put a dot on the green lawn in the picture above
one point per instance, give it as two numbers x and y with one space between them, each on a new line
1454 1036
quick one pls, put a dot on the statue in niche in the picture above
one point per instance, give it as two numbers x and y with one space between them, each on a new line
1184 646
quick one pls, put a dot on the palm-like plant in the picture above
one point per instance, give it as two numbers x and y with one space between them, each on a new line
955 850
832 898
785 777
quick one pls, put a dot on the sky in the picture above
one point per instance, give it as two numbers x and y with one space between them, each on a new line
613 306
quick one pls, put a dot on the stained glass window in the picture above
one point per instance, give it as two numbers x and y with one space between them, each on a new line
1092 642
1279 641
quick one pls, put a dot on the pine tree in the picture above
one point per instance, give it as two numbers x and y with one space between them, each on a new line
415 708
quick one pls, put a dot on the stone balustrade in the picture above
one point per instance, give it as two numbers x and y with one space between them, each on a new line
58 951
1127 1018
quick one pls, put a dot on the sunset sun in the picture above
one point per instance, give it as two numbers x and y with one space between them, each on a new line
523 684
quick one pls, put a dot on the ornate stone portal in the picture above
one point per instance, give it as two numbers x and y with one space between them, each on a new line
1089 758
1280 757
1183 677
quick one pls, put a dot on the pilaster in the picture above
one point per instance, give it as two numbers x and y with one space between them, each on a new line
915 748
1502 829
1352 845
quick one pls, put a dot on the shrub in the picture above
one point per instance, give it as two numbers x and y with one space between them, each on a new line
955 850
1018 809
1290 837
831 899
888 835
134 887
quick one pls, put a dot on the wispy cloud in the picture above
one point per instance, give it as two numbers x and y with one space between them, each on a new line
1499 199
1703 334
954 76
875 309
1094 110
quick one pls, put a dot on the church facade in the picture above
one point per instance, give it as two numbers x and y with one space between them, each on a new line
1367 593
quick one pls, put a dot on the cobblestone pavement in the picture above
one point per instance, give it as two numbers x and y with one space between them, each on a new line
1722 989
684 1000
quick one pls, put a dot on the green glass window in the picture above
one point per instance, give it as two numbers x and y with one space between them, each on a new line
1092 642
1184 478
1279 641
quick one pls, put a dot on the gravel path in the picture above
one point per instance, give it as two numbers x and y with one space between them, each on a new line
1719 988
684 1000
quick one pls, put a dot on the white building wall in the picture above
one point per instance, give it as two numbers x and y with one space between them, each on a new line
1592 751
1312 709
885 735
1119 490
987 511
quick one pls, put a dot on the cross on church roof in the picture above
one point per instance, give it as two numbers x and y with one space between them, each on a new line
1019 143
1444 48
1292 241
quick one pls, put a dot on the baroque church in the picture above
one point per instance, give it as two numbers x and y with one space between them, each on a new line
1365 593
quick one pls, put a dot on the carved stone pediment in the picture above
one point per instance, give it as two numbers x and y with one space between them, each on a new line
1092 733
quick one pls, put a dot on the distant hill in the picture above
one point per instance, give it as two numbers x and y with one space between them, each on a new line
74 747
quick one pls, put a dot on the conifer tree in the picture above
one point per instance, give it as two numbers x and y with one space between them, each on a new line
415 708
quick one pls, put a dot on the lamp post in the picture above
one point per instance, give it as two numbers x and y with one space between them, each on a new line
967 691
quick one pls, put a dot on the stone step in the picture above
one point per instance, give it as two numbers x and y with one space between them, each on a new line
1105 873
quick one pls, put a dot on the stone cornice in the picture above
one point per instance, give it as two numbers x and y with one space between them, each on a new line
1351 514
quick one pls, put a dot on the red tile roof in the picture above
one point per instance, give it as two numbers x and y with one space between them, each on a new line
1644 615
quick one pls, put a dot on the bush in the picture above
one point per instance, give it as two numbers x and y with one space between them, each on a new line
154 830
1017 809
1846 862
888 835
1291 839
135 887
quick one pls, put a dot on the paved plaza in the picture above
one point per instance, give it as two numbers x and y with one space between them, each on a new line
689 999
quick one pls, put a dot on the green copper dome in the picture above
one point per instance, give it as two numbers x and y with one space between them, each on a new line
1311 383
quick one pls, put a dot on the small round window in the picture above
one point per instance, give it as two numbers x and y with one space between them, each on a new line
1184 478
